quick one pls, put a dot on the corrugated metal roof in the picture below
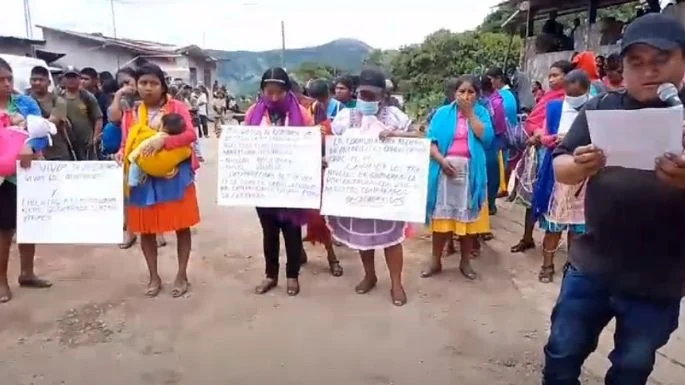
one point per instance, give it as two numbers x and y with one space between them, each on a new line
544 6
143 47
21 40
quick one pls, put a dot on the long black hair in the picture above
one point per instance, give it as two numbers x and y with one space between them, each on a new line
5 65
564 65
156 71
276 75
486 84
125 71
468 79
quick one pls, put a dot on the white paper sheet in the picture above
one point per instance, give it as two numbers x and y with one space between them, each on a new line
270 167
70 202
635 138
370 178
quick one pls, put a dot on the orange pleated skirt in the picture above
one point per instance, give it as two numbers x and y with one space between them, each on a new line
165 217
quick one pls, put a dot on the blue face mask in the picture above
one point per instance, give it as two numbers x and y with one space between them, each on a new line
367 108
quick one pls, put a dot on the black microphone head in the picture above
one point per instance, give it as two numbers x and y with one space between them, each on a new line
667 91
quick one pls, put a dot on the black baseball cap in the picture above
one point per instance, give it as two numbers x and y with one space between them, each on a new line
372 80
656 30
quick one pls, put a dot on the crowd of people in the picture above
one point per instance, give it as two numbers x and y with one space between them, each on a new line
624 226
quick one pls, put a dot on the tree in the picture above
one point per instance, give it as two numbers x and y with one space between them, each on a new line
380 58
423 68
310 70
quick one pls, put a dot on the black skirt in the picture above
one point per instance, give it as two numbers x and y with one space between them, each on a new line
8 206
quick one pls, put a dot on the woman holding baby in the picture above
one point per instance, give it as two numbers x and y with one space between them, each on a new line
157 153
14 110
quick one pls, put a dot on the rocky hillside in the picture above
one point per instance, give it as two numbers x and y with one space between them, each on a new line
241 70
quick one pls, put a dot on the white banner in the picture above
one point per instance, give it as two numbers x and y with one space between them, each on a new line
370 178
70 202
270 167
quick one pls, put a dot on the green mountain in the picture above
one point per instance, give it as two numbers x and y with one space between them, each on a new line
241 71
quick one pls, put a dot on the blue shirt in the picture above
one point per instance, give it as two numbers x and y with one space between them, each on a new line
333 107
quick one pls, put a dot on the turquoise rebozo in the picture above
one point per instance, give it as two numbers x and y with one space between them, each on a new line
545 182
441 132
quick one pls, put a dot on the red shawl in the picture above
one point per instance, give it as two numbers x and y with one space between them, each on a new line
536 119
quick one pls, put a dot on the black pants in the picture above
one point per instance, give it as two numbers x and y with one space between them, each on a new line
203 129
272 227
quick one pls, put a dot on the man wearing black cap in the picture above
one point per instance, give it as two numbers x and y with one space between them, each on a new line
630 264
84 114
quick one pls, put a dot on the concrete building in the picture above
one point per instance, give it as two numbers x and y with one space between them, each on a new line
190 63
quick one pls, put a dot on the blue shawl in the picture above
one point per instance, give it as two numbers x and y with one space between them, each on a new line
441 132
545 181
26 105
510 106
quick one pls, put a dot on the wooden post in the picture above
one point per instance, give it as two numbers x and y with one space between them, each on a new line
592 11
592 19
530 23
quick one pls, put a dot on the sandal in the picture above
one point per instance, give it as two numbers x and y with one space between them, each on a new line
153 288
34 283
335 268
400 300
468 272
431 270
266 285
522 246
128 243
487 237
293 287
6 296
365 286
161 241
180 290
546 274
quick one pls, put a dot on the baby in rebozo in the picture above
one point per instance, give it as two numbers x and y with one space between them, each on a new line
172 124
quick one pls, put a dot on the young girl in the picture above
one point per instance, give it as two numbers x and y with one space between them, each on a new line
457 181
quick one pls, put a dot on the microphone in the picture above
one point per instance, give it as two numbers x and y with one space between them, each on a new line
668 93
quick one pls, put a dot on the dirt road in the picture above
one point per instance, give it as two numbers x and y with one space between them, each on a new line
95 327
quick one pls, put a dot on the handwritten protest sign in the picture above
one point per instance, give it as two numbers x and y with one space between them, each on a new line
370 178
70 202
270 167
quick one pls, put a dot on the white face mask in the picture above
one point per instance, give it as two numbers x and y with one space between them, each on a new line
577 101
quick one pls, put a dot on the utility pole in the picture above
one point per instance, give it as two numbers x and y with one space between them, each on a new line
114 27
27 19
283 44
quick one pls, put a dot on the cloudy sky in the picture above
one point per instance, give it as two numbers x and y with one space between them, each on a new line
252 24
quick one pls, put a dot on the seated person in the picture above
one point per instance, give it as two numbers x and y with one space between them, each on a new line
172 124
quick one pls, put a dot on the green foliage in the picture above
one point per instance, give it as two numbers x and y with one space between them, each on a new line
242 70
311 70
423 68
380 58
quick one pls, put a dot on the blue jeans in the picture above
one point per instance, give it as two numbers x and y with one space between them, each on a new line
584 307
